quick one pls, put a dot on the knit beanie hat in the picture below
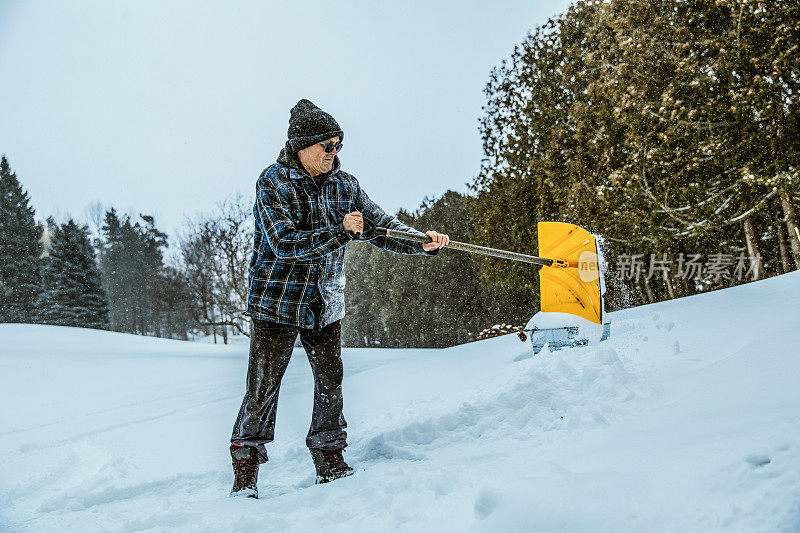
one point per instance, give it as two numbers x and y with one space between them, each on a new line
309 124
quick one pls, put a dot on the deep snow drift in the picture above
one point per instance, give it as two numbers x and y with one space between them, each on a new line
687 419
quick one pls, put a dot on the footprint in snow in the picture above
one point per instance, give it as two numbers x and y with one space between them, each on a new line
757 460
486 502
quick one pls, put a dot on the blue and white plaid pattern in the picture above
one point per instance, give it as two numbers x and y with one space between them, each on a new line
298 254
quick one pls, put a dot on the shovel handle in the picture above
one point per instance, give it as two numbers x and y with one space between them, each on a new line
472 248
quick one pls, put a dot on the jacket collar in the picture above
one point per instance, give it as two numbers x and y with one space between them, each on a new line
289 159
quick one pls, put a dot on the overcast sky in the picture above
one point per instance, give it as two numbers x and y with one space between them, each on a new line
168 107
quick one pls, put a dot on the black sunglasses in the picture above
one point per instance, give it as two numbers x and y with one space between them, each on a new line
328 147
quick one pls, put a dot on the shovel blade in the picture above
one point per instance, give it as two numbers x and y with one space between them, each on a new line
574 289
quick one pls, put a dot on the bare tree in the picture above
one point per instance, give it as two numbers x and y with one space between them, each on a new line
233 244
95 212
216 250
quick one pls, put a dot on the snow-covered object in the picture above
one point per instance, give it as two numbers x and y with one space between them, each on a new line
559 330
497 330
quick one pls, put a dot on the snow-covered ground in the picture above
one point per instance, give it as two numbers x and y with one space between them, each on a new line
687 419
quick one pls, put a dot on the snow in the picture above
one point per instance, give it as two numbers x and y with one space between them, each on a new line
686 419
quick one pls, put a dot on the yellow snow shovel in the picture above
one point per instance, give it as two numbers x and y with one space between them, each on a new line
574 288
570 274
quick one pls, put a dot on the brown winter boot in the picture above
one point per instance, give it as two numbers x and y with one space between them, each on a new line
245 471
330 465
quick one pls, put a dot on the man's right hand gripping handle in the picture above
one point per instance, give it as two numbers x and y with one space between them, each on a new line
354 222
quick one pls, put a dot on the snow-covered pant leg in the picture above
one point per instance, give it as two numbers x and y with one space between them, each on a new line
324 349
271 348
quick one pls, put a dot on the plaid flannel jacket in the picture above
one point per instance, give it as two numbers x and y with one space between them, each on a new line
297 268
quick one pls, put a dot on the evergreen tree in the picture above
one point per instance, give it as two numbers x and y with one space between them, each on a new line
131 263
20 250
175 317
666 126
72 291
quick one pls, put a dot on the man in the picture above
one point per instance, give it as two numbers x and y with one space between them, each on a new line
306 211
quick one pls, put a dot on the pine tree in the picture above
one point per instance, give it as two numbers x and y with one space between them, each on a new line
73 294
131 263
175 320
20 250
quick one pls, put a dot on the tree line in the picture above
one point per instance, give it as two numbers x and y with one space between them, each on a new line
119 277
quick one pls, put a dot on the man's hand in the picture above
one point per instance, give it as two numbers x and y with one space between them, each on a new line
439 241
354 222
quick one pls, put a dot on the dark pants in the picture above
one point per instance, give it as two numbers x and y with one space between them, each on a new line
271 347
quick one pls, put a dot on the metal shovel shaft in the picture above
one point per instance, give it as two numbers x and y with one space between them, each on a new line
466 247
